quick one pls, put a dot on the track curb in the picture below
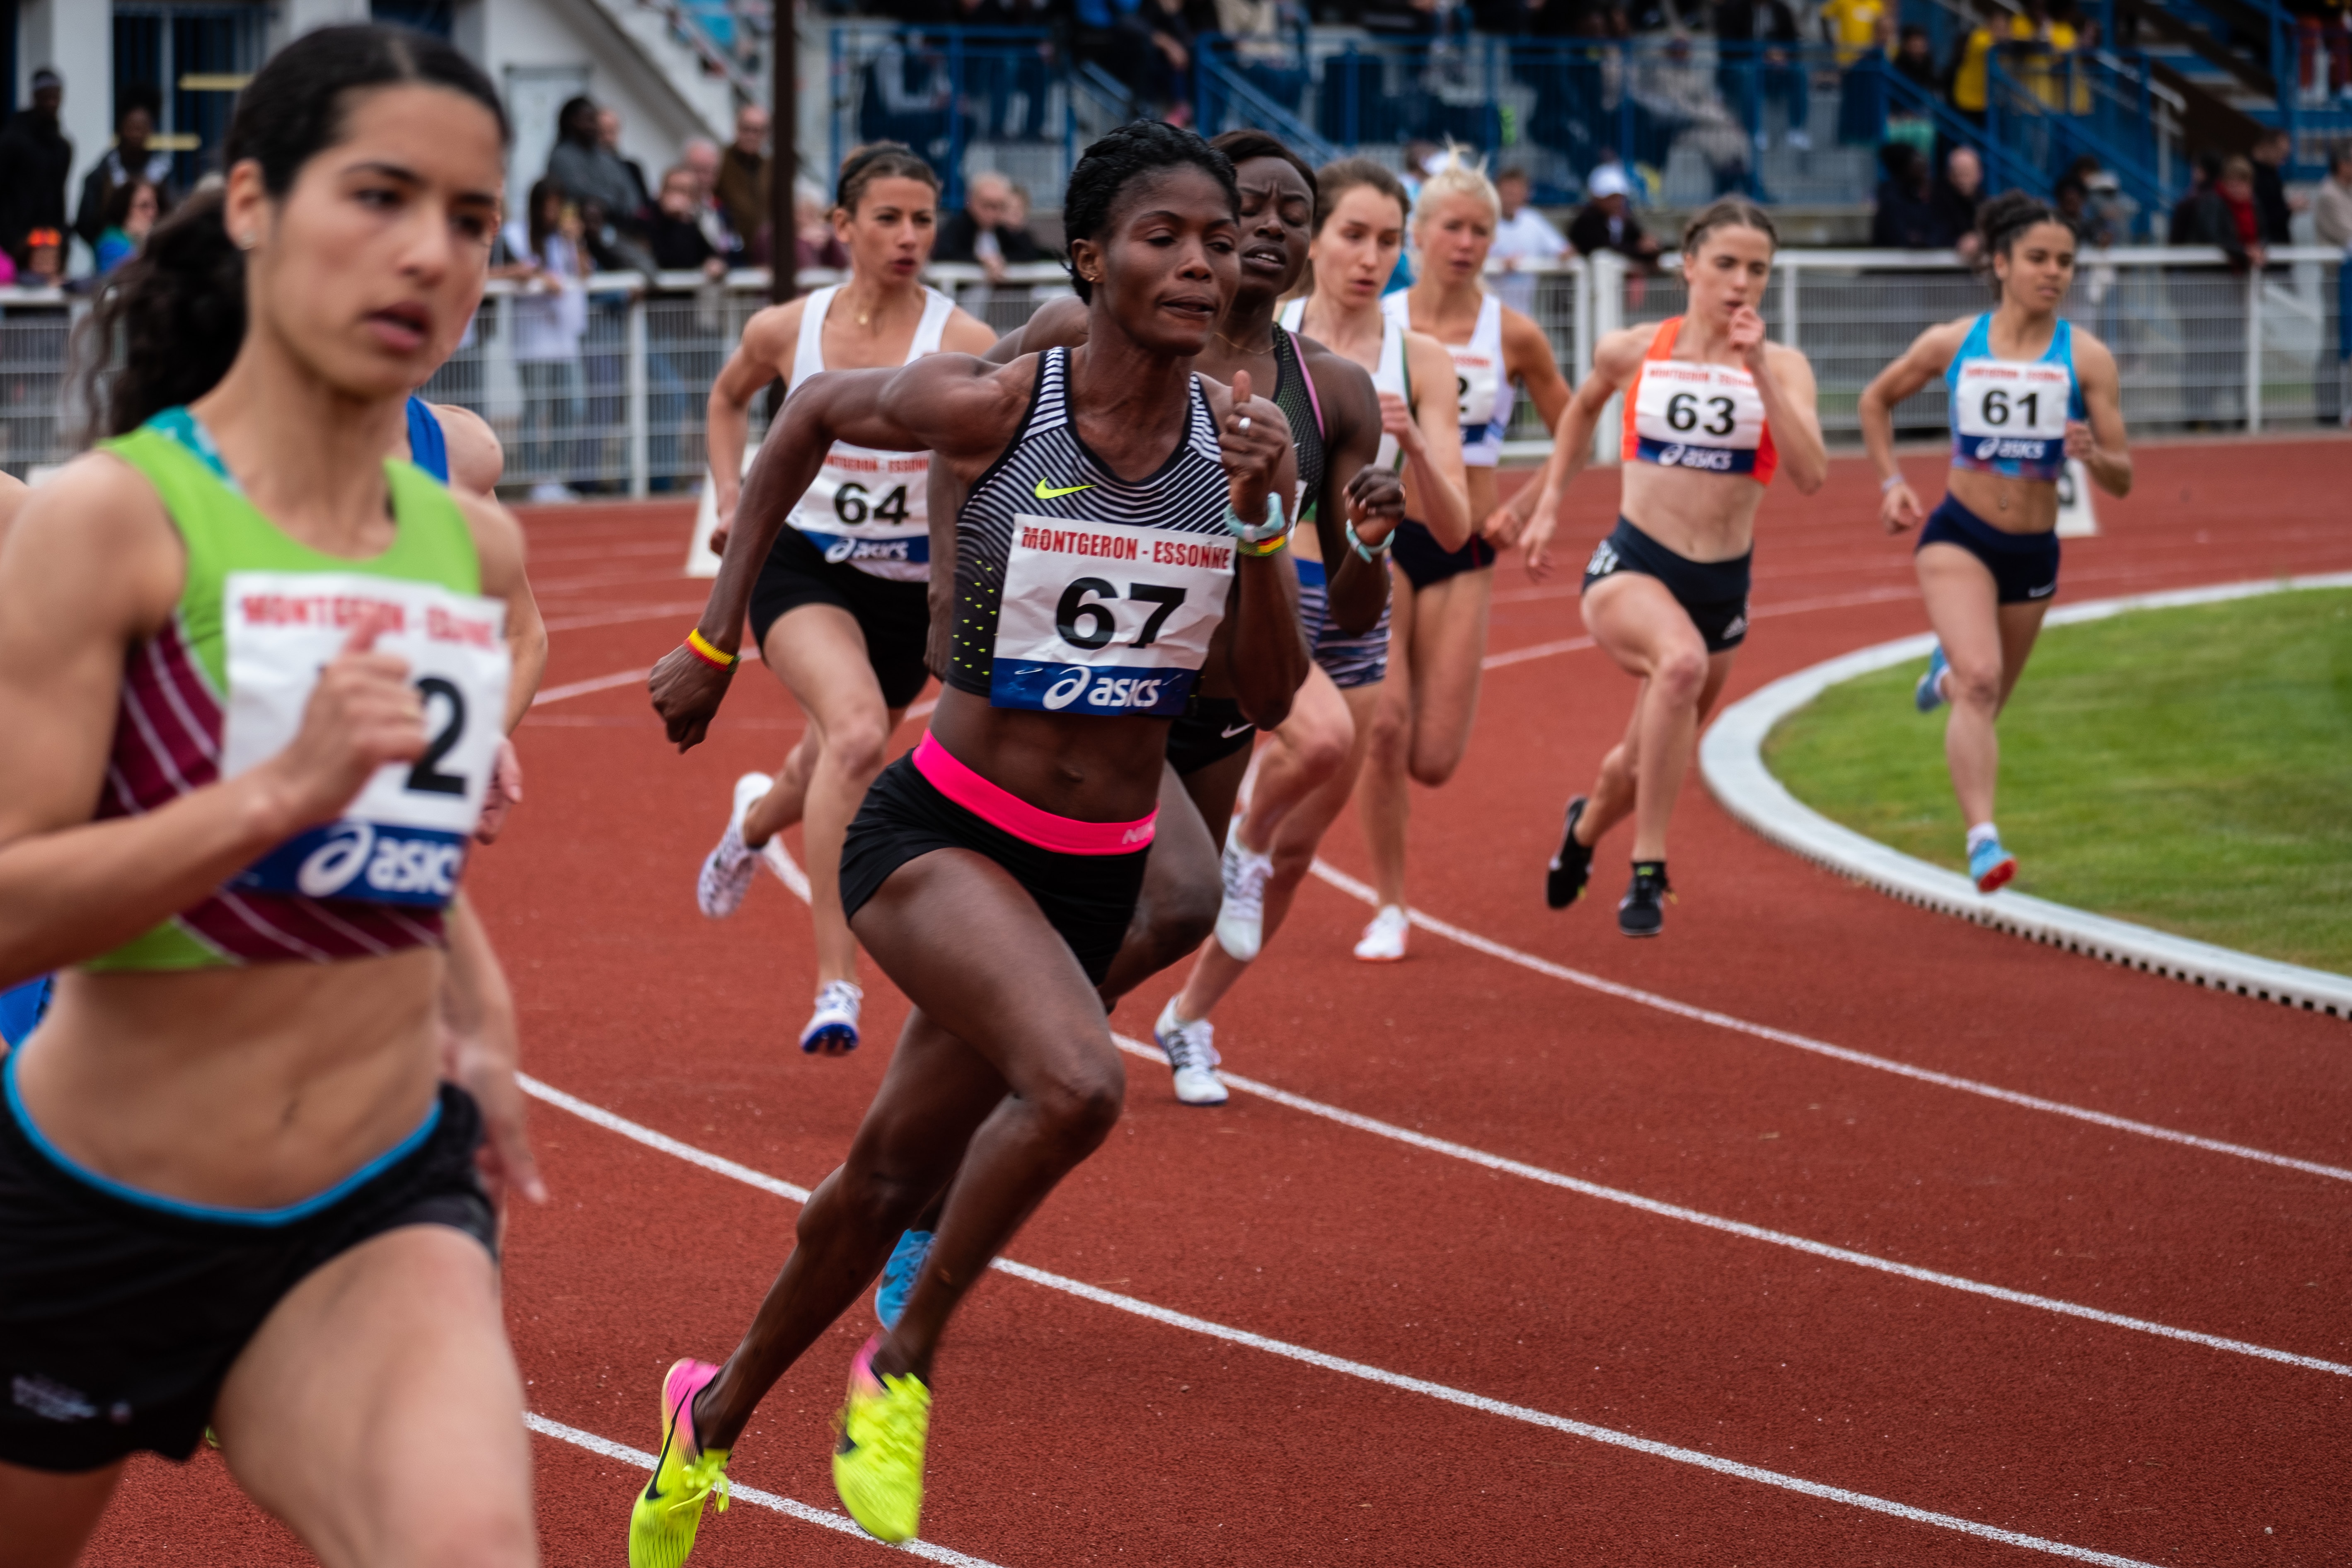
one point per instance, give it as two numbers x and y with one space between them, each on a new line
1731 760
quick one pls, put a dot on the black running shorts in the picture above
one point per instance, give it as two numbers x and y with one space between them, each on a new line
896 618
1210 730
1713 593
120 1314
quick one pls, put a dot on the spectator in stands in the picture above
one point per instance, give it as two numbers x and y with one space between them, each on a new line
699 157
814 245
1915 59
131 209
1521 235
606 190
1604 222
1970 85
2071 197
130 157
1757 43
1958 195
1168 80
984 232
2274 209
608 138
1114 35
1861 31
741 186
1676 104
2220 212
1905 218
1261 32
548 320
676 236
2201 176
35 159
2331 220
45 259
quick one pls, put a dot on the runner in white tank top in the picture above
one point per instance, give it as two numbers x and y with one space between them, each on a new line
1306 776
1441 597
839 610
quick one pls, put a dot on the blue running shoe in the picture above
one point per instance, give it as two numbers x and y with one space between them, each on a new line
1992 866
898 1276
1928 696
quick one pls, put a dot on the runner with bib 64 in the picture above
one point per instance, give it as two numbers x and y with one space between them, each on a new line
2029 391
1113 498
1712 411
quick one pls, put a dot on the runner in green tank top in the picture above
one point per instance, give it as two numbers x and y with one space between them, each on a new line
254 678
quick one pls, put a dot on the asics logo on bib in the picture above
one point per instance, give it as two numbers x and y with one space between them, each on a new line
353 859
839 548
1993 447
1714 459
1106 692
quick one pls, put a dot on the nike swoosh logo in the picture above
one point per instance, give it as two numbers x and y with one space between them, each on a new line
1047 492
1236 730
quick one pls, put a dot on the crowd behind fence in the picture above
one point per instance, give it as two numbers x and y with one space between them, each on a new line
2199 346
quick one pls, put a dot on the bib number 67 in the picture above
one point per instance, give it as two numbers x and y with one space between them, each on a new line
1084 624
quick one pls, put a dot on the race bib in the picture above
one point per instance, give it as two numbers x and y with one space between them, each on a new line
1104 618
871 510
1704 416
2012 413
1477 382
404 840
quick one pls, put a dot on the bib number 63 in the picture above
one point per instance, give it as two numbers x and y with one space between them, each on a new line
1082 623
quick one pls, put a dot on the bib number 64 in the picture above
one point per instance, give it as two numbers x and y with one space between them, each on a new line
1082 623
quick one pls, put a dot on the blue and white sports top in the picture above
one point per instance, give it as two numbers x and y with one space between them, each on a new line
1077 592
1389 375
1478 381
869 508
2008 417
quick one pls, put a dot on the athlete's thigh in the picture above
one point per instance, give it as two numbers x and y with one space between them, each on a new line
819 652
1638 622
1184 854
971 949
1320 717
51 1516
1303 828
1449 641
378 1411
1963 604
2019 625
934 1095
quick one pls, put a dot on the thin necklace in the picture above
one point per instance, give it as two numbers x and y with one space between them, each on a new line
1267 349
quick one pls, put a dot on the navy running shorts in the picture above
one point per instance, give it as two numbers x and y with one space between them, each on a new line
1713 593
2024 566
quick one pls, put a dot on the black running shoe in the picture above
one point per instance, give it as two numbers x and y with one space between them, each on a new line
1572 866
1643 910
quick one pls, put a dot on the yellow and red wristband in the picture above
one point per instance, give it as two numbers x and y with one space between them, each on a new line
702 649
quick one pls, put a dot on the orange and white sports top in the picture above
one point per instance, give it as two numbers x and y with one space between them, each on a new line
1682 414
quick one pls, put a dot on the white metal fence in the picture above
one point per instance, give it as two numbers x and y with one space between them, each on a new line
2199 346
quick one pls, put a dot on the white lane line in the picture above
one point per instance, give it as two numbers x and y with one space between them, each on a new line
1794 607
1741 1228
621 616
607 682
737 1492
1470 939
1362 1371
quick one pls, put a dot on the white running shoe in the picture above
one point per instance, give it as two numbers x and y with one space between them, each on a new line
1192 1051
1241 918
833 1028
1383 939
727 871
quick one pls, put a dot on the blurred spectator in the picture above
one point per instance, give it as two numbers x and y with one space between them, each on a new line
2331 208
606 189
2201 176
1756 48
548 320
2274 209
1168 80
1521 235
130 157
2071 197
1114 35
1906 217
815 244
1969 84
35 159
2220 212
1958 195
2331 220
1261 32
699 157
131 209
2046 41
742 184
1861 31
608 138
45 259
984 231
1676 104
1603 223
1914 58
676 236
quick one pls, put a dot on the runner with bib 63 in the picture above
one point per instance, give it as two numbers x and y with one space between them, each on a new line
1113 499
1712 411
2029 391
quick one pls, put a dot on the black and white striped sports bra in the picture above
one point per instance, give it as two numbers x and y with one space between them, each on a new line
1077 592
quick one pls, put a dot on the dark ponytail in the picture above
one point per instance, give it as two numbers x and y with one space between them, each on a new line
2002 219
172 321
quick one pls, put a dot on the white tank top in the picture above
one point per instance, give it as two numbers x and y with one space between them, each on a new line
1478 379
1389 375
867 508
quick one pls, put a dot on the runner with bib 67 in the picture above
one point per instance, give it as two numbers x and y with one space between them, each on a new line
2028 391
1712 411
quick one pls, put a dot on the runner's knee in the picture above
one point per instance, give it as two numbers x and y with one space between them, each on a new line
1681 674
1974 683
1080 1103
855 749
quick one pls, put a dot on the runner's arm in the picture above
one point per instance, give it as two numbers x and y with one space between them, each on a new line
1527 360
1057 324
477 460
1927 357
2100 445
481 1048
1784 380
1358 588
765 351
1435 485
1613 366
1269 651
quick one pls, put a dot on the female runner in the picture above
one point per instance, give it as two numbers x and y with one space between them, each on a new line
232 1190
1711 411
1113 499
2028 391
840 609
1421 725
1303 778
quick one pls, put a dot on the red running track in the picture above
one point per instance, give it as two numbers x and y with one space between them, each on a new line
1071 1431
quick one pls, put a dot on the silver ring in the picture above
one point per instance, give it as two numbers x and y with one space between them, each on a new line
1244 425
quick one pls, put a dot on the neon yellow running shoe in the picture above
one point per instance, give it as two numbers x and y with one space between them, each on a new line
877 1464
663 1521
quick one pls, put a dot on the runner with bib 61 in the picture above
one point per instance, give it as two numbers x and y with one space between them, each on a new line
2028 391
1712 411
1113 499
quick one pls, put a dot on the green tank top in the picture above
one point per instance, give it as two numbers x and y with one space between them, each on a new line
172 732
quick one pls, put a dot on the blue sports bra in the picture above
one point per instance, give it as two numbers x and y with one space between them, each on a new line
428 448
2008 417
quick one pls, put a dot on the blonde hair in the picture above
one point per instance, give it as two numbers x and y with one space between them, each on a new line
1457 176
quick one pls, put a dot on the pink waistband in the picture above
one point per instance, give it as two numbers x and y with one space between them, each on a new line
1001 808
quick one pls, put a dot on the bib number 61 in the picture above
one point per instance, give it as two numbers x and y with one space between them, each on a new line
1084 624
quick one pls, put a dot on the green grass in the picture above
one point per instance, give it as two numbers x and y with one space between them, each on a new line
2189 769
